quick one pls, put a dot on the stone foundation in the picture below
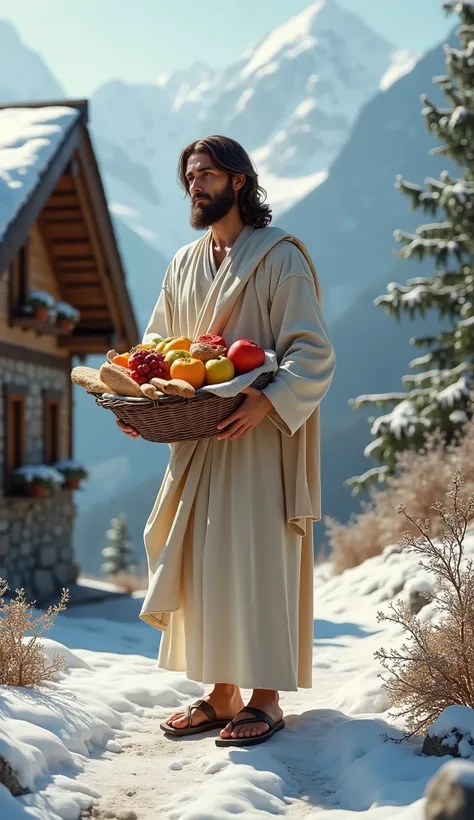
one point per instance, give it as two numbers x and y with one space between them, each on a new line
36 550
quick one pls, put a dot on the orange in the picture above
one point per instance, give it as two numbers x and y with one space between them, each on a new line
189 370
121 360
180 343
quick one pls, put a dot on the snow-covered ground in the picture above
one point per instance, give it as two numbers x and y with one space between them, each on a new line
93 735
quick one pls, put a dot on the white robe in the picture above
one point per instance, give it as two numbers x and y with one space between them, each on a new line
229 539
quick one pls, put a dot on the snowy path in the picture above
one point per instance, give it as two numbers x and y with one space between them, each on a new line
93 736
153 771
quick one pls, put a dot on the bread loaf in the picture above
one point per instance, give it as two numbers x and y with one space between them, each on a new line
90 379
119 380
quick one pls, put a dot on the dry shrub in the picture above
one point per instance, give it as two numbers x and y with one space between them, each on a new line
23 662
435 667
356 541
128 581
421 479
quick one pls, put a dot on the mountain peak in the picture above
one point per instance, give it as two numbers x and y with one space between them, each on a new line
23 74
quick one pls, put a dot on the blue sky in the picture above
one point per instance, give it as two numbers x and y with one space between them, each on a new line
87 42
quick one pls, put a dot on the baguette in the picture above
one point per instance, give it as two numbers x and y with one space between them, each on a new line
90 379
119 380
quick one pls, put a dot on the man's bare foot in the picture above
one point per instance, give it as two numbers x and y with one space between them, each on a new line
265 699
226 700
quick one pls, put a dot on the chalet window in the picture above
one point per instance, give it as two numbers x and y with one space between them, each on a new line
14 431
19 277
51 426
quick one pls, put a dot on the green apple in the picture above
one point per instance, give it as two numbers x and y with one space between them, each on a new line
172 355
219 370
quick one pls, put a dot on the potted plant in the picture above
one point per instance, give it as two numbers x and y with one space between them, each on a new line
40 304
72 472
67 316
38 480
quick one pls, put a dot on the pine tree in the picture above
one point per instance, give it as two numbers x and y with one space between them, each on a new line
438 396
119 550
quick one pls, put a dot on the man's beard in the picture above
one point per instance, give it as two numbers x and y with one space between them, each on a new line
208 211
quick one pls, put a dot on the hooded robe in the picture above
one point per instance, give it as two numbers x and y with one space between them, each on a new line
229 540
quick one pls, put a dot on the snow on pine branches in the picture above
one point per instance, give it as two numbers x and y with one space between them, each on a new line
438 395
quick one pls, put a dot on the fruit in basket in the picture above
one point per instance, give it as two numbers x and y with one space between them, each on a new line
205 352
246 355
172 355
211 339
219 370
121 360
179 343
144 364
189 370
162 343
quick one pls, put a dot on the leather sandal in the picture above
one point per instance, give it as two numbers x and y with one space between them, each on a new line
252 741
213 722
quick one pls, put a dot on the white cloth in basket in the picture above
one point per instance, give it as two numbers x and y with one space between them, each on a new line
226 389
235 386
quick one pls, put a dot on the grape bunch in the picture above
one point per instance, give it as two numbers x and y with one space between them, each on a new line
146 364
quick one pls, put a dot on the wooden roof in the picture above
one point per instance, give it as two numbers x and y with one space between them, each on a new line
70 207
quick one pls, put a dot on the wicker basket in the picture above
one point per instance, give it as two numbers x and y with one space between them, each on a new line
171 418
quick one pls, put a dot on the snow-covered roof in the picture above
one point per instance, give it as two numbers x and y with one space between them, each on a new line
29 140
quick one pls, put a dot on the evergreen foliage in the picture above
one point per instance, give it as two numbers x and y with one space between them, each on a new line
437 393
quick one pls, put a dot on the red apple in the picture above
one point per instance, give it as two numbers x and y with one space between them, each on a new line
246 355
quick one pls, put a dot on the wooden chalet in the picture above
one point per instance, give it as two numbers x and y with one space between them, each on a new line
57 244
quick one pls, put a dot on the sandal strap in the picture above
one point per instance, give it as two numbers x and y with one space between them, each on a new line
205 707
259 714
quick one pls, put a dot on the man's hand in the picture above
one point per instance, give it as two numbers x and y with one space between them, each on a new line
129 431
249 414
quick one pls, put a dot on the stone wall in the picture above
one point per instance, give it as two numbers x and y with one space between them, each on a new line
36 544
36 534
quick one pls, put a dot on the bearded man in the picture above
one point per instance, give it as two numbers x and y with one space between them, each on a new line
229 540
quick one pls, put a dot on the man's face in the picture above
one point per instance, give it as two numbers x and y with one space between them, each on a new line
211 191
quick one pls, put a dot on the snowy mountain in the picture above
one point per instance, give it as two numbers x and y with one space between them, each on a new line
23 73
291 100
348 221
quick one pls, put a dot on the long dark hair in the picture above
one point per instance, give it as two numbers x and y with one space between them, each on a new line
228 155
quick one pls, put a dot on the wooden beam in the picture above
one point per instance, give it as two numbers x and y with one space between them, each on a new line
63 200
77 259
95 343
67 231
127 324
65 213
76 249
18 353
64 185
87 279
72 266
95 239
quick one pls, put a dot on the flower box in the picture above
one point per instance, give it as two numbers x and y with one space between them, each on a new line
38 480
67 316
41 305
73 473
